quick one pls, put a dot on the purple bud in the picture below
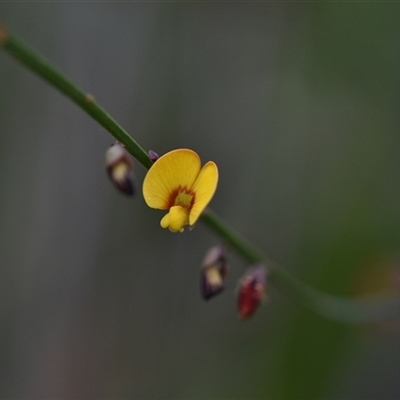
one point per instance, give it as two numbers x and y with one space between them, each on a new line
153 155
120 169
213 272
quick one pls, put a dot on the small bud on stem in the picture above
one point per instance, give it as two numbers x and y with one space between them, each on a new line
252 289
120 169
153 155
213 272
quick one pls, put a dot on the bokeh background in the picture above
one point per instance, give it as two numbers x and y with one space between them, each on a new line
298 103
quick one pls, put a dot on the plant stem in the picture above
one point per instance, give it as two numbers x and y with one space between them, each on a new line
86 101
335 308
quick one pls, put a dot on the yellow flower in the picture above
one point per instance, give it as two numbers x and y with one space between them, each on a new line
177 182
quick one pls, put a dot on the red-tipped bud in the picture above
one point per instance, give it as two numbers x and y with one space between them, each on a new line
213 272
153 155
252 290
120 169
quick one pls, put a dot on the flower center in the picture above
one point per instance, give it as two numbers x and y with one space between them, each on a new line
182 196
180 203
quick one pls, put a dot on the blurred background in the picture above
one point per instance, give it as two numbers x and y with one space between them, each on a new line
297 103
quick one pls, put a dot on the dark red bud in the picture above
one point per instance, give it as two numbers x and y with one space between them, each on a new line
252 290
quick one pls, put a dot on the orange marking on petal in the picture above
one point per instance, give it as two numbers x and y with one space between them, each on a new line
177 198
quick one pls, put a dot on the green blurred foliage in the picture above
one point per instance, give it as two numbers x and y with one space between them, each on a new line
298 105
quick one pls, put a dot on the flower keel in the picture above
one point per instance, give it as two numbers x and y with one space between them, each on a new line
176 219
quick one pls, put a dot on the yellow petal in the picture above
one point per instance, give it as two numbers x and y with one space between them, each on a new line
176 219
204 189
177 168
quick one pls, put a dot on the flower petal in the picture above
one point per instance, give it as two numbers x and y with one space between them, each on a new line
204 189
178 168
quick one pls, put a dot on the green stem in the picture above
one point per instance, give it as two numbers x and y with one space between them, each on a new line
86 101
344 310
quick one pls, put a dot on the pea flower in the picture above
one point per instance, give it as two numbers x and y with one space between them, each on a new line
177 182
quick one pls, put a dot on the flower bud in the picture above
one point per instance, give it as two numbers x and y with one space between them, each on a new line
153 155
213 272
252 289
120 168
